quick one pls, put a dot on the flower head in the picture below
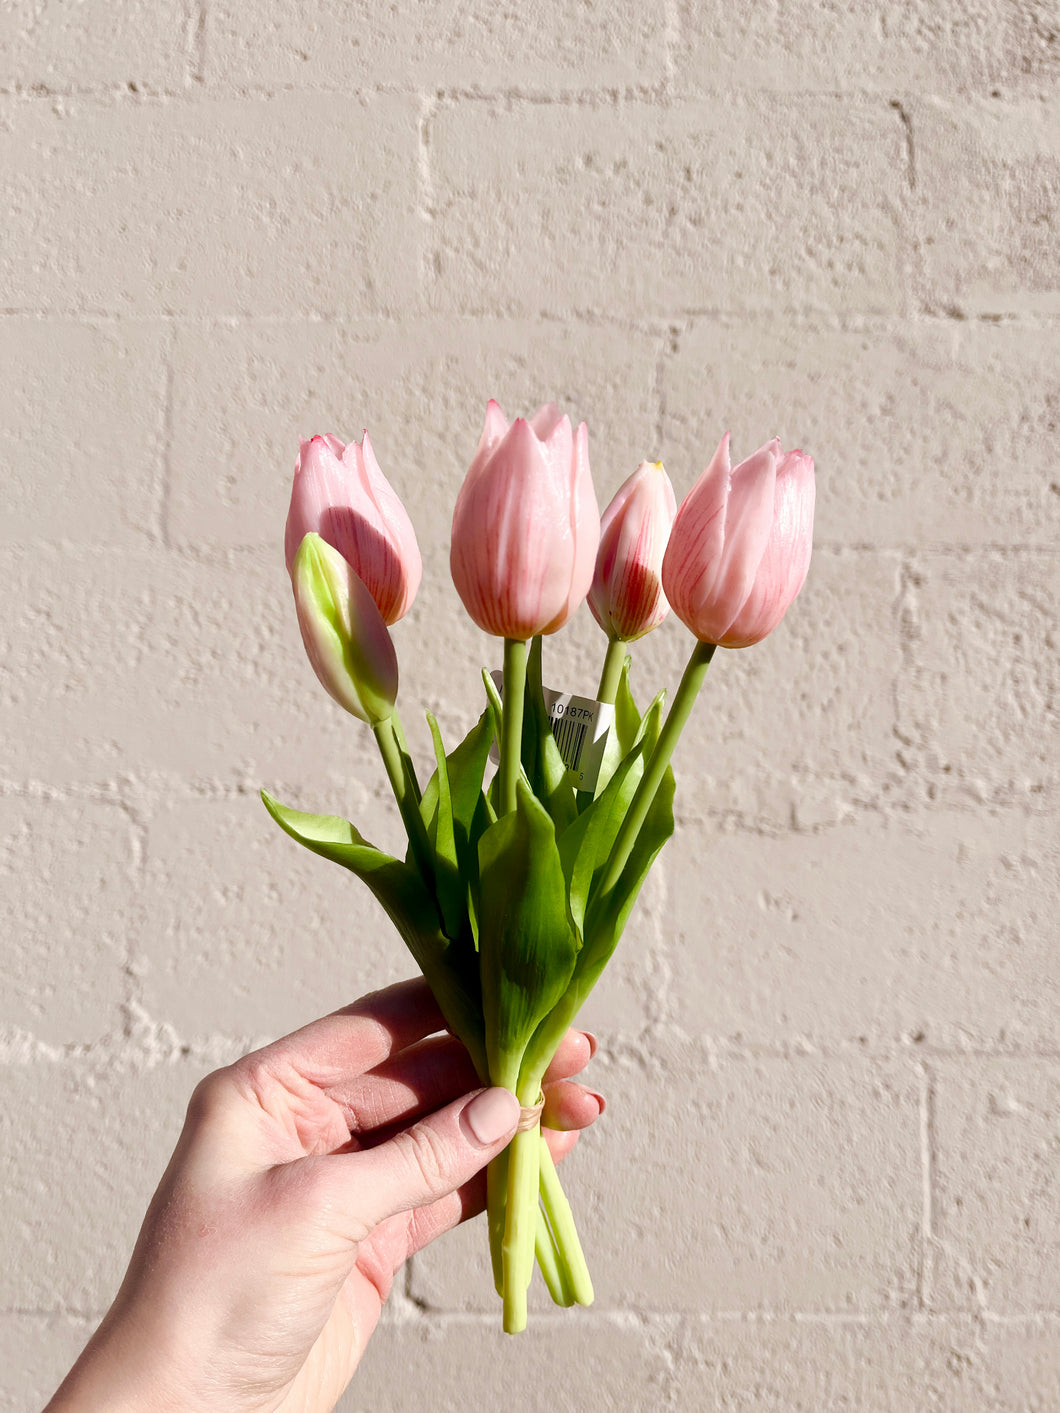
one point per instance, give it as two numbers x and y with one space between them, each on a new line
341 495
740 546
626 597
526 525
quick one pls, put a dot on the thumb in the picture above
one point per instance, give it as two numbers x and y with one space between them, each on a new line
429 1160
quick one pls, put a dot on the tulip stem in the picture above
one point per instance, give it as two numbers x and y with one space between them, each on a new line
614 661
520 1226
684 698
410 769
512 720
398 769
573 1271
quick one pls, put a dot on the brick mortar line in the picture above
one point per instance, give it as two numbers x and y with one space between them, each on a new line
214 555
651 1319
165 482
659 96
684 320
926 1259
900 806
671 45
195 72
160 1046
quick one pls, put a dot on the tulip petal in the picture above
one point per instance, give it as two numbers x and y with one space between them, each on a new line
493 433
545 420
690 564
786 559
626 597
748 523
517 556
341 494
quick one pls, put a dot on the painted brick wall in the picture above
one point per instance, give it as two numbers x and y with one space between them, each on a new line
828 1176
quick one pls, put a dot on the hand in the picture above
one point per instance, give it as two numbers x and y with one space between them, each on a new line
305 1175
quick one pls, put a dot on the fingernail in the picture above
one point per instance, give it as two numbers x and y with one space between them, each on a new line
600 1100
492 1115
592 1042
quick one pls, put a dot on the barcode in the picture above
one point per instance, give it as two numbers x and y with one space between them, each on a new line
570 736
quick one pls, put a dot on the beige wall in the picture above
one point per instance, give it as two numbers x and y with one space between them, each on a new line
828 1175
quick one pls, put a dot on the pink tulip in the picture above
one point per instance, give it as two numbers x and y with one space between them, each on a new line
627 597
341 495
740 546
526 525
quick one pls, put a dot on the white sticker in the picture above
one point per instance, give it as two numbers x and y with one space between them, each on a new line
580 727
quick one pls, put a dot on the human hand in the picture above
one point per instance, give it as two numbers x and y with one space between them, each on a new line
305 1175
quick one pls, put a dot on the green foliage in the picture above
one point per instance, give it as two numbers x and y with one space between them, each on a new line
456 813
513 928
548 776
527 939
450 971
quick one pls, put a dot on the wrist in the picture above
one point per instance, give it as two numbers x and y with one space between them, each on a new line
122 1371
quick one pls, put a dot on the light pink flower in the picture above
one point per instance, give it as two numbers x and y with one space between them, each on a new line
740 546
626 597
341 495
526 525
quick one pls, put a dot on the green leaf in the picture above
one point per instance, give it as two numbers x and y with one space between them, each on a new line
527 942
627 717
549 778
651 724
456 814
586 845
467 765
497 712
606 917
604 924
623 734
449 886
401 892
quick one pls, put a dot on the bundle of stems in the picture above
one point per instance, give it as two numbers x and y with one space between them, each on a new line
511 898
528 1212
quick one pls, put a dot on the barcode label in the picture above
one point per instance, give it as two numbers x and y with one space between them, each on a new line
580 727
570 737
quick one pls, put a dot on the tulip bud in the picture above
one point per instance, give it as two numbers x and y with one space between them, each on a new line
626 597
526 525
740 545
345 637
341 495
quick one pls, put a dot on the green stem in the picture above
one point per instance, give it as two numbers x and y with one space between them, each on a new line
399 736
611 676
406 794
520 1226
687 691
496 1187
549 1263
573 1269
512 720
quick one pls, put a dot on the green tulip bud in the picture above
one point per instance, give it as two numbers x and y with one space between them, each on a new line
345 637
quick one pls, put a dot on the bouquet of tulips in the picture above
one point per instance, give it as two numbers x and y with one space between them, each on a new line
514 893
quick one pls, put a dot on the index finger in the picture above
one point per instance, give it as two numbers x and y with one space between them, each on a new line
359 1036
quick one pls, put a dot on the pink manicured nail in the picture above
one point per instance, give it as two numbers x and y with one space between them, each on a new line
492 1115
599 1099
593 1042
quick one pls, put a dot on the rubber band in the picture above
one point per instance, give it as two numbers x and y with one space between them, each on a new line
530 1117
